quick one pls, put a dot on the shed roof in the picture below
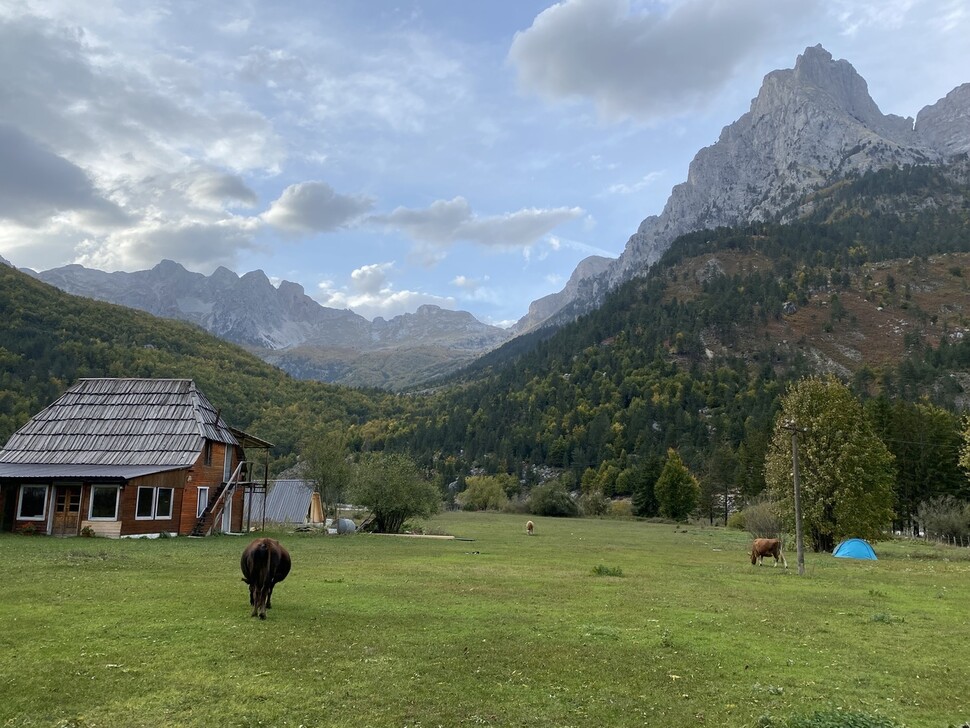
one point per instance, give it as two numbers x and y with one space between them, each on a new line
288 501
119 425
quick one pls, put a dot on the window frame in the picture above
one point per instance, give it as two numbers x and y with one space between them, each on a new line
117 490
227 469
20 502
155 489
199 505
171 503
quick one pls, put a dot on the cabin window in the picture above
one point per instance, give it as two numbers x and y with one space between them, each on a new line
203 501
227 465
207 453
153 503
104 503
163 503
33 503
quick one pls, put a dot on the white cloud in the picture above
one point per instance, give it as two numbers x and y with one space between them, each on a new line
476 289
628 189
371 294
406 83
646 64
554 279
371 279
274 67
464 282
314 207
197 245
468 284
447 222
37 184
116 154
214 187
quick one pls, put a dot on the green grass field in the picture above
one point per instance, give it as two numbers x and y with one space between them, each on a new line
586 623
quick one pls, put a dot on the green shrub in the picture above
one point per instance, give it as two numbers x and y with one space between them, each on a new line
622 509
519 504
944 517
483 493
552 499
594 503
736 520
762 519
600 570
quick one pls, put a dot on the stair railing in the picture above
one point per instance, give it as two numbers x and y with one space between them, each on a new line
213 511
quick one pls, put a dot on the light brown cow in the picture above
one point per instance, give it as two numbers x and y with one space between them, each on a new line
530 528
767 547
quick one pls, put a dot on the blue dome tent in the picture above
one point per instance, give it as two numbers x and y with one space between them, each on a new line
855 548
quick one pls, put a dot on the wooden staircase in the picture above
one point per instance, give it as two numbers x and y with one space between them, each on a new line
212 514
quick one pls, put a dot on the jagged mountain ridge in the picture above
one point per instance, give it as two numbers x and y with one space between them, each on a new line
288 328
541 309
808 127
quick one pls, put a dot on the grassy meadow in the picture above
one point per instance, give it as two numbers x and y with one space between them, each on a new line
589 622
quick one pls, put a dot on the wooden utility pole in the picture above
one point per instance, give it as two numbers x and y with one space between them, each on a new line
799 541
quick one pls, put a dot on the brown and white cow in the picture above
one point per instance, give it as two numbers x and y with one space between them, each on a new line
767 547
264 564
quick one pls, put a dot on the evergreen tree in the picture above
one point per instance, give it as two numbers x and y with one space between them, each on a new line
642 478
925 442
677 490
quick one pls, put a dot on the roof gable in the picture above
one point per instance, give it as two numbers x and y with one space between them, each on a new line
144 422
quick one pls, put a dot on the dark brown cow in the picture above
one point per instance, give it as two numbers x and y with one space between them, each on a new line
767 547
264 563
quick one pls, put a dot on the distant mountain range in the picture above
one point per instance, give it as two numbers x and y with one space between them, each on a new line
285 327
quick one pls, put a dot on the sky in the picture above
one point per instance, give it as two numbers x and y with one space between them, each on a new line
390 154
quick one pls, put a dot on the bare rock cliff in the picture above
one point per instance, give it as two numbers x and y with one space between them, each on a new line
808 126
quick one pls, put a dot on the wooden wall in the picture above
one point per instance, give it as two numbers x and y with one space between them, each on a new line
174 479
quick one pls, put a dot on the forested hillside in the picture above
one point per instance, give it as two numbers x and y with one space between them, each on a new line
871 284
49 339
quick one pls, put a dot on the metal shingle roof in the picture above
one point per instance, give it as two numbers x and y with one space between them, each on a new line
115 423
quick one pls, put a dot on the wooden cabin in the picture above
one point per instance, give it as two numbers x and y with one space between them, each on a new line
128 457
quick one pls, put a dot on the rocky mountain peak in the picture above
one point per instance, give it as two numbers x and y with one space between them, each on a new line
808 126
223 276
541 309
167 267
945 125
427 310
